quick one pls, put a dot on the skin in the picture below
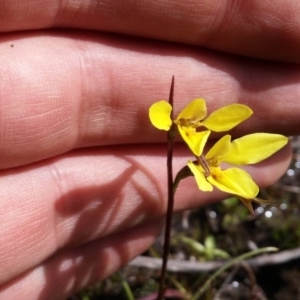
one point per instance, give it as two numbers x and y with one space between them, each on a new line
83 178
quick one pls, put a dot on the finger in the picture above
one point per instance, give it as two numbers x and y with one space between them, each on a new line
70 271
88 194
97 91
252 28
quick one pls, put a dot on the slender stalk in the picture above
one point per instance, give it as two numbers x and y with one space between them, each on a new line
228 265
169 216
127 289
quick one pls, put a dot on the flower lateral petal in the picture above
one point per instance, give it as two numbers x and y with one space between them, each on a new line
201 181
227 117
193 112
234 181
253 148
195 140
159 114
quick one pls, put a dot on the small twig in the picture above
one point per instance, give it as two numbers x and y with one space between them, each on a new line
170 202
251 276
227 280
177 266
256 291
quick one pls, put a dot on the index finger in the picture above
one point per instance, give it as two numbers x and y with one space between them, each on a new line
91 90
251 28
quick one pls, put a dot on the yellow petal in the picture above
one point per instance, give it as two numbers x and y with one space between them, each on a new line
253 148
192 113
220 149
195 140
227 117
234 181
202 183
159 114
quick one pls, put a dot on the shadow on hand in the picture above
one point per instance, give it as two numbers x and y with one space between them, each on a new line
101 210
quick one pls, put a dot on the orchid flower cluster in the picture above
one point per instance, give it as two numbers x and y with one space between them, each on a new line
208 169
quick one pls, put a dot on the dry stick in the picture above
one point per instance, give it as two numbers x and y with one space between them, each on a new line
169 216
193 267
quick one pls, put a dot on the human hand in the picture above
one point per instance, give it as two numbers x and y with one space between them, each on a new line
83 179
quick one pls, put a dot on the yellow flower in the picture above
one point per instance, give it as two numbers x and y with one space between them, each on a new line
249 149
193 116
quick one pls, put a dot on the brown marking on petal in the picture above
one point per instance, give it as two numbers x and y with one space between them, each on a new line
203 163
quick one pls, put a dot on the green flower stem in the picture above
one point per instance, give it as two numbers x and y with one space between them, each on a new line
126 287
127 290
229 265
